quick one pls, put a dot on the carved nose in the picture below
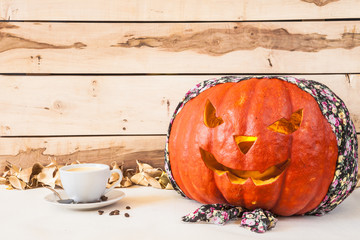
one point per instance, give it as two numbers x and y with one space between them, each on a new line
244 142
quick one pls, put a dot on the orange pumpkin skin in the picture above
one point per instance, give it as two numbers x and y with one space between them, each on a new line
248 108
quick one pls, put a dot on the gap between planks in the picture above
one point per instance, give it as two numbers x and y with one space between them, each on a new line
177 10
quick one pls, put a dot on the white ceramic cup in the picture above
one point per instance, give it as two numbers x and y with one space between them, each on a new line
89 184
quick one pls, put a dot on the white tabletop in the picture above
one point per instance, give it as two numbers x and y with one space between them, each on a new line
155 214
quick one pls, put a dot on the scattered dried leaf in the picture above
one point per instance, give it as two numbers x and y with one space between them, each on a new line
16 183
152 181
3 181
126 182
37 168
49 175
139 179
169 187
165 181
25 175
146 175
14 170
35 176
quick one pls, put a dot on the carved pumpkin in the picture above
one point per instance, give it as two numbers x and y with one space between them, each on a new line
257 143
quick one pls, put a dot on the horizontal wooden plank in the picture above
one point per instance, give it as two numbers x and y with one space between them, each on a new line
104 105
352 98
177 10
90 105
251 47
24 152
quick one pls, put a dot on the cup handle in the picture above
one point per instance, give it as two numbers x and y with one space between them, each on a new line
115 183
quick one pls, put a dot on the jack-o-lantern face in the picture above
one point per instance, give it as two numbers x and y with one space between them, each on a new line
244 143
257 143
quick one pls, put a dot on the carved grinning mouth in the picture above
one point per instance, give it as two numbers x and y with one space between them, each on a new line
268 176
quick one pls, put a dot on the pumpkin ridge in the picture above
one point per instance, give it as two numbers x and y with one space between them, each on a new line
291 146
278 198
248 107
227 87
249 85
316 191
221 90
188 189
255 120
321 188
325 182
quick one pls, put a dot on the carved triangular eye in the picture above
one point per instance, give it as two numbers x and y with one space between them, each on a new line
210 118
244 142
288 126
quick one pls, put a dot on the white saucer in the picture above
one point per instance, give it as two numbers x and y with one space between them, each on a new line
113 196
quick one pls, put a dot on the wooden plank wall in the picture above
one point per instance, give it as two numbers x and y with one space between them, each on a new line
98 81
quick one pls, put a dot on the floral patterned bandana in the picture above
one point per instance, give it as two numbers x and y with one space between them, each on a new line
258 220
335 112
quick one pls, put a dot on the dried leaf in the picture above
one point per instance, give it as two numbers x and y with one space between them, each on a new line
52 163
16 183
3 181
146 175
114 176
169 187
39 176
57 178
153 172
152 181
139 179
129 172
6 172
25 174
145 179
164 181
37 168
12 169
143 166
114 165
47 176
126 182
33 183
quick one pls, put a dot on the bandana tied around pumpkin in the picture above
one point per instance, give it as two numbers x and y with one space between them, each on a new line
258 220
334 112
